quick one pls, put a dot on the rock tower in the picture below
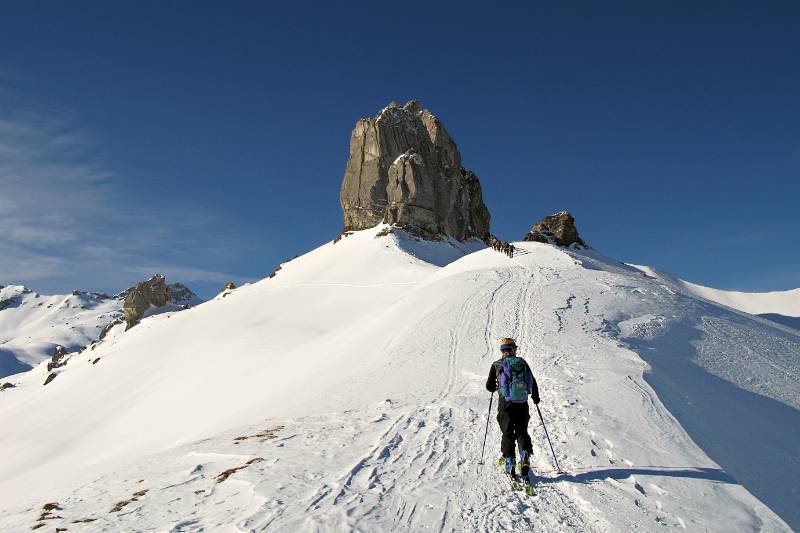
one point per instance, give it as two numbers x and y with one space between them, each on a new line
404 169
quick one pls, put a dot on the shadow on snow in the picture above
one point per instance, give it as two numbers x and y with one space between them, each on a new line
752 437
598 474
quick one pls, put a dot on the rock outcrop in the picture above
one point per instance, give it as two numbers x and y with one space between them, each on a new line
140 298
107 328
153 292
404 169
8 302
228 288
58 359
555 229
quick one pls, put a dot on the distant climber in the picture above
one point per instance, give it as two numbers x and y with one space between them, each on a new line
512 377
501 246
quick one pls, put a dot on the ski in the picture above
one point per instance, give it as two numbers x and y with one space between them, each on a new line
517 482
530 490
528 481
522 485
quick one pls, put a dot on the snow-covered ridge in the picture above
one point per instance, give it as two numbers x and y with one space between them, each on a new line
786 303
32 324
347 393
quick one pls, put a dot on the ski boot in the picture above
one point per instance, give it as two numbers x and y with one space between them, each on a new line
524 464
509 467
525 472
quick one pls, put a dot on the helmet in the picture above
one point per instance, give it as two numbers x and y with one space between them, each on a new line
507 344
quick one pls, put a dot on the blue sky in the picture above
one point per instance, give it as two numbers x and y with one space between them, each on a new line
209 141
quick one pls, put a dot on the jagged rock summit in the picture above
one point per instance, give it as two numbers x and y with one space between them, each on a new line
154 292
555 229
404 169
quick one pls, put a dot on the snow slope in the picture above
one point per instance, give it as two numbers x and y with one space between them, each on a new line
348 393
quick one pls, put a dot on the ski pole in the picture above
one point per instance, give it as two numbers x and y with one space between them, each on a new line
483 448
548 439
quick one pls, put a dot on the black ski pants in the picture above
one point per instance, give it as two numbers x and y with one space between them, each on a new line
513 419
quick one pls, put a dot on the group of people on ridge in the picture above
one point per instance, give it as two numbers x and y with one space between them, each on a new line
501 246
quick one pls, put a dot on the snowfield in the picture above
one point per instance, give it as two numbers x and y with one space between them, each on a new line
347 394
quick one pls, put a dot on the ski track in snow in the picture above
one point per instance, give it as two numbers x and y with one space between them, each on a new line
411 464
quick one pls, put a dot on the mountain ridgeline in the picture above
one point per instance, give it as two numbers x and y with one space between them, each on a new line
36 327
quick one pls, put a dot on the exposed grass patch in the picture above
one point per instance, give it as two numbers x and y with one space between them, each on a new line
263 436
227 473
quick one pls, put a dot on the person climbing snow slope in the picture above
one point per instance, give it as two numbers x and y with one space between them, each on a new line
512 376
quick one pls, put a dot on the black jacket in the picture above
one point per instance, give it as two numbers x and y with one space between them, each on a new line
492 384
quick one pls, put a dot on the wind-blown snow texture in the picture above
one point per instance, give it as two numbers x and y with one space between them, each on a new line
346 393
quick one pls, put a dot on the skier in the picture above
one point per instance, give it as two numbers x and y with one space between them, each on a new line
512 376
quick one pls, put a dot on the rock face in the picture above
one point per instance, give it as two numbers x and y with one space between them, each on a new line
228 288
140 298
555 229
404 169
8 302
153 292
180 294
58 359
107 328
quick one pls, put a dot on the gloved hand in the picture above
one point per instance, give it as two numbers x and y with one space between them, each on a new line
536 400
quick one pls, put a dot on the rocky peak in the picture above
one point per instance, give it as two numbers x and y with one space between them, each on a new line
156 293
556 229
180 294
11 295
405 169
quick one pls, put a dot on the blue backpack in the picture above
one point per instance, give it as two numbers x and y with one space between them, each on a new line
514 383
